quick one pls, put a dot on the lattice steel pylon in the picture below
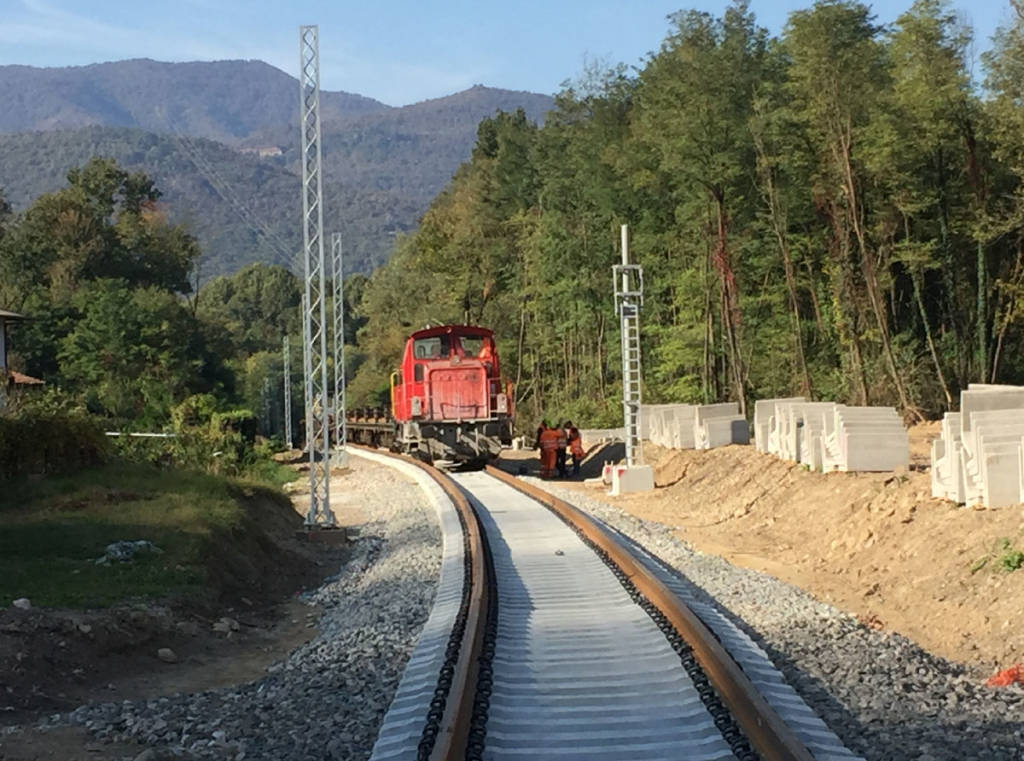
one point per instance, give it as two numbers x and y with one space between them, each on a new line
286 355
629 297
307 383
315 314
337 275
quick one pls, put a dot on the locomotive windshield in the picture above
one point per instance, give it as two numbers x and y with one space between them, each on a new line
435 347
472 345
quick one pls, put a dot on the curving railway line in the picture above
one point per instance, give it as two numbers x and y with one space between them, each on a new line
554 637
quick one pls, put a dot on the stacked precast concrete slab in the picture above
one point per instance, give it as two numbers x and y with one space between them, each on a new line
591 436
826 436
979 458
694 426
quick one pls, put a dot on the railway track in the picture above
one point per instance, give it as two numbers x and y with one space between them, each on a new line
554 637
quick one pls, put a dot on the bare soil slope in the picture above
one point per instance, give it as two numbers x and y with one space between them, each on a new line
874 544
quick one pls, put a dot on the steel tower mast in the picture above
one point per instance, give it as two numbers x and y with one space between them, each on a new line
337 274
315 315
287 373
629 297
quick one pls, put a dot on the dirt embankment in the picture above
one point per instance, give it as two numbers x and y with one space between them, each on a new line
55 659
874 544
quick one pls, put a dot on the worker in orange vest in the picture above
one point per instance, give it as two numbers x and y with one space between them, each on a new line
548 451
560 457
575 446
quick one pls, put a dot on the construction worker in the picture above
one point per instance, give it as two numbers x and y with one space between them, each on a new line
563 443
575 446
548 451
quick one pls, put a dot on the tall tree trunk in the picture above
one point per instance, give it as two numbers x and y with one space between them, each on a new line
730 303
819 321
846 322
981 326
779 226
869 270
1011 306
520 343
953 314
917 278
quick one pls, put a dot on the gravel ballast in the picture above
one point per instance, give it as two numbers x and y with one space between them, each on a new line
327 699
887 699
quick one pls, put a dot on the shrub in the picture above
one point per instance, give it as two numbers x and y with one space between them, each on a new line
36 440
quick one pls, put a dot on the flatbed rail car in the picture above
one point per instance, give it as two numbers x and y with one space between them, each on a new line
448 400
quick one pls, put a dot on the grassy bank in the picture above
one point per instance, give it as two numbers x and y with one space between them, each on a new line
52 531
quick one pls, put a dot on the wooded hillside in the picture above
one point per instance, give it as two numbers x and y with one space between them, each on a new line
835 212
193 127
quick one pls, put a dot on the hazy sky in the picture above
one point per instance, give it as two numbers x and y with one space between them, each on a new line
398 51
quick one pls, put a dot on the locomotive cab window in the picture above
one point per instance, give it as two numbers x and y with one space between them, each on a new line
417 373
472 345
435 347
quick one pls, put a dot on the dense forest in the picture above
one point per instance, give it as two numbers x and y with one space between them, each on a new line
836 212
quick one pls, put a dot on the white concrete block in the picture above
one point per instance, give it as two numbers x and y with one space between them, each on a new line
626 480
764 412
720 432
1000 474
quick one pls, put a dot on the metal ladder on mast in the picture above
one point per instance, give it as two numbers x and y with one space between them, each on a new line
629 297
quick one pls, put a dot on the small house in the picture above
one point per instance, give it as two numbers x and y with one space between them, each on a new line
9 379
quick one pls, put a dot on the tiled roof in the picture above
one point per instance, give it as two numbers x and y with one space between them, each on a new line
25 380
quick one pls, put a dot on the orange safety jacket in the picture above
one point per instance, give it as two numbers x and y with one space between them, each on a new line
549 439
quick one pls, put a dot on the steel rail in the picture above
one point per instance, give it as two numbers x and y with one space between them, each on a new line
770 736
453 734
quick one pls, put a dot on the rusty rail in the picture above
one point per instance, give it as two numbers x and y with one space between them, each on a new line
453 734
770 736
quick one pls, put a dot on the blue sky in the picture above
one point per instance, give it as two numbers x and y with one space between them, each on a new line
398 51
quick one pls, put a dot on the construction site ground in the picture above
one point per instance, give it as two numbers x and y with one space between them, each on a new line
876 545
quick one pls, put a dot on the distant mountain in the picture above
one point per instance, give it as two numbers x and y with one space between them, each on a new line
241 196
221 140
221 100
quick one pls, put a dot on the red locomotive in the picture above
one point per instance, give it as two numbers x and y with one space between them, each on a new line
448 401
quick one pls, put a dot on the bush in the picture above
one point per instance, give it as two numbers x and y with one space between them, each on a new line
204 439
36 440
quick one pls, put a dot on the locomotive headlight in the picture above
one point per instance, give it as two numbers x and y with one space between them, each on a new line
417 406
501 403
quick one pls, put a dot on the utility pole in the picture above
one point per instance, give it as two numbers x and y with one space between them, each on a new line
307 382
629 297
287 372
337 274
267 413
315 315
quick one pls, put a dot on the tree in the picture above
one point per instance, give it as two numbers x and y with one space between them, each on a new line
134 353
105 224
251 310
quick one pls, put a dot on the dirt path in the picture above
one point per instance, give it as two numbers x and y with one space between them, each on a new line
876 545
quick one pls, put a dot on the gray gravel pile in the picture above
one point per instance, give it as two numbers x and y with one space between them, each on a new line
887 699
326 700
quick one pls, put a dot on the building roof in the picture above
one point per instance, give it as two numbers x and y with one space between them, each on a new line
25 380
11 315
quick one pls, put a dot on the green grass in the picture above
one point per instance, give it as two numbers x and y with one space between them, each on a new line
269 473
1005 558
1010 559
53 530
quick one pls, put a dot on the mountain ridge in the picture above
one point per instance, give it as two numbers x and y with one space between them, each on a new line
382 164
